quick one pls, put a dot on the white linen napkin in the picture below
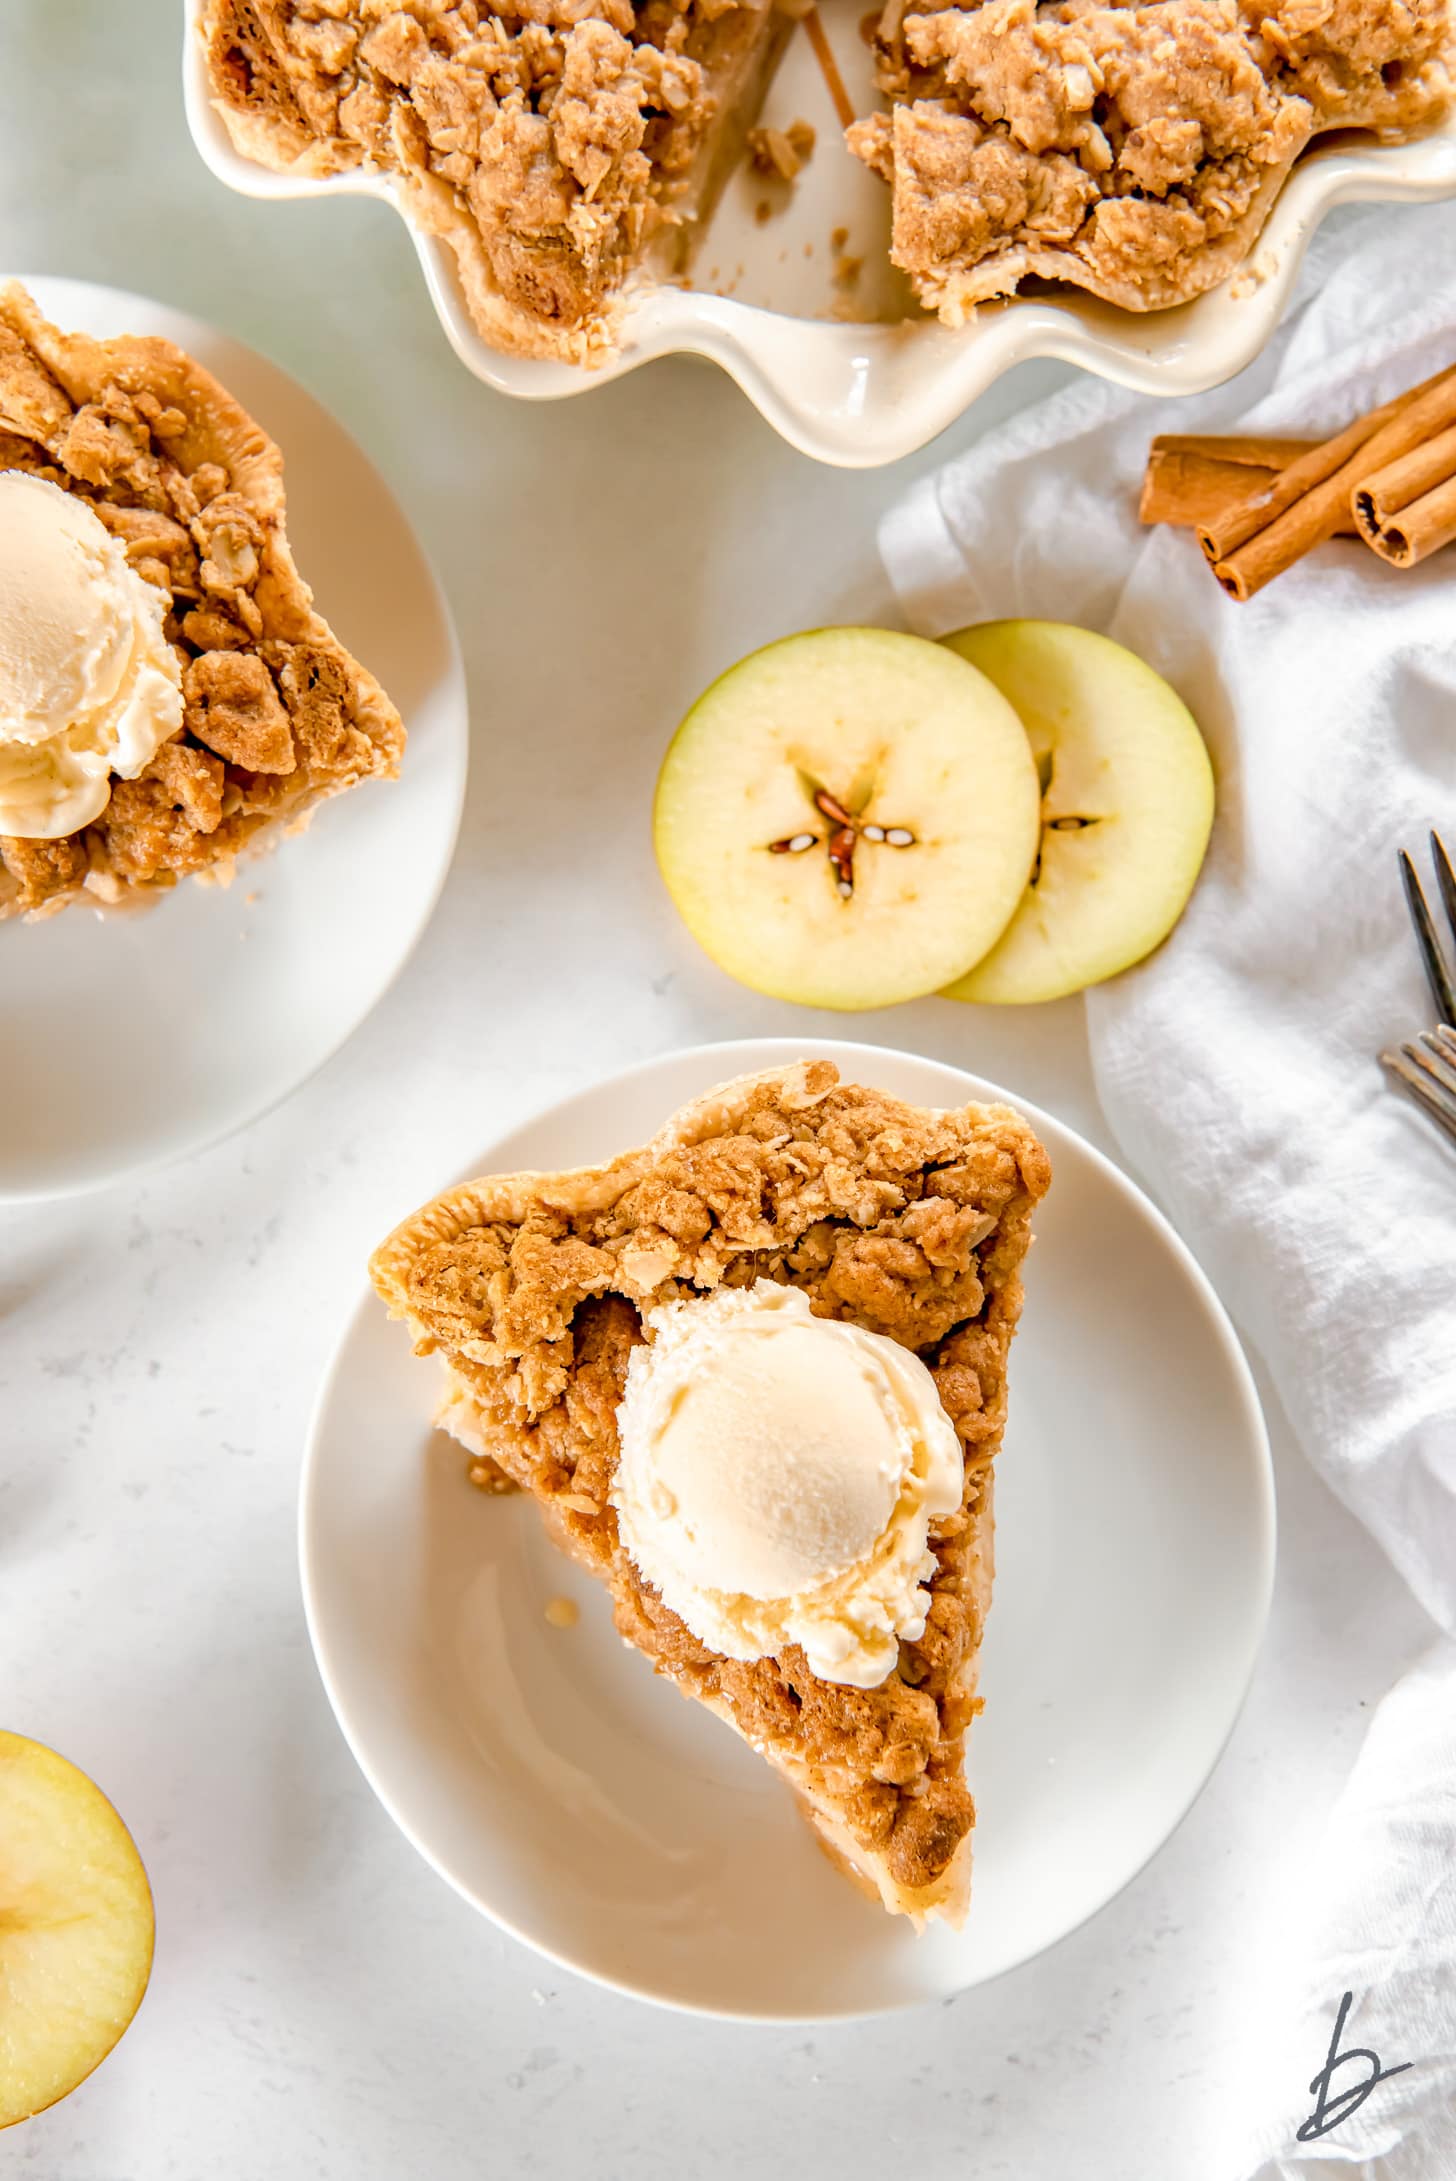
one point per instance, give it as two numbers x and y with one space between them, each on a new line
1237 1067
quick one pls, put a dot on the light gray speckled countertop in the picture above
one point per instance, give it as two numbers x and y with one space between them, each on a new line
321 2003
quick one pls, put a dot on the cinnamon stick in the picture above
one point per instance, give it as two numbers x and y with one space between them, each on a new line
1191 489
1384 494
1421 528
1255 450
1186 488
1312 469
1315 512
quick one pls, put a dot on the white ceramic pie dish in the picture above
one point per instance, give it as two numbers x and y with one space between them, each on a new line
859 395
581 1803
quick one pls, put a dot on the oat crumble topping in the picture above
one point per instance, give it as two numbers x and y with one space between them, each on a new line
552 143
1133 150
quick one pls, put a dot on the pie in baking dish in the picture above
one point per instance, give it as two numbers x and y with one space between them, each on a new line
566 147
553 1298
173 504
557 146
1133 151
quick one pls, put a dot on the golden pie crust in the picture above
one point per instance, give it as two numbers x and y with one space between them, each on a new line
276 714
909 1222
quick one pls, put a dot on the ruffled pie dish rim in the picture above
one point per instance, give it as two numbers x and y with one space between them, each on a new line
860 396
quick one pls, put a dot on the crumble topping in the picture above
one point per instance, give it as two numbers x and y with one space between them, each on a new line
909 1223
276 714
551 142
1133 150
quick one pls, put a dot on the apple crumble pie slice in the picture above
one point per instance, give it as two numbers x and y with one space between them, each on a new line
832 1254
557 146
268 712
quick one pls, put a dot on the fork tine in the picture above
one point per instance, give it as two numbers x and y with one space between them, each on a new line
1427 1054
1445 1039
1437 974
1428 1083
1423 1090
1445 879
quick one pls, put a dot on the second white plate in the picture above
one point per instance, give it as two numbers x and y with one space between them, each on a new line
131 1039
591 1811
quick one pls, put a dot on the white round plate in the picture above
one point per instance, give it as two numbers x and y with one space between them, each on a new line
131 1039
864 389
622 1831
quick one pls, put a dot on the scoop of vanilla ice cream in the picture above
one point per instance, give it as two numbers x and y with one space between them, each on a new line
89 685
777 1478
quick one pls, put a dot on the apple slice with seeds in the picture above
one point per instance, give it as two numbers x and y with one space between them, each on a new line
75 1927
1126 812
848 817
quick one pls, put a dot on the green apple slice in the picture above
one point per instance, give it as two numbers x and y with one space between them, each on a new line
847 818
75 1927
1127 807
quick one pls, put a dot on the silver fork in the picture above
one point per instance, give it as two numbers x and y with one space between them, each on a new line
1427 1067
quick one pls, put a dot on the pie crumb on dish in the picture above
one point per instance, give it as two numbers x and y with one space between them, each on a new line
907 1223
275 714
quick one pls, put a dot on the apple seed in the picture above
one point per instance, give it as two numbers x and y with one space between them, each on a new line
841 842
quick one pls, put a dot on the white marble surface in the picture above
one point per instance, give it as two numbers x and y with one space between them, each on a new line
321 2005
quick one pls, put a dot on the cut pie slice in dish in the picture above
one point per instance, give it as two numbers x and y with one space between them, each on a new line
561 148
543 1292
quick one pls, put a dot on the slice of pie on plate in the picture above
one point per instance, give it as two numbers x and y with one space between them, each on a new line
550 1297
269 713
